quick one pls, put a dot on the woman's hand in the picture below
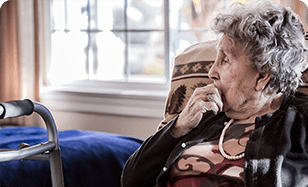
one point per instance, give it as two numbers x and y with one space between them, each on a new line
202 101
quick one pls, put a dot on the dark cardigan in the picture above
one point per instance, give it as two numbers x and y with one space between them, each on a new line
275 155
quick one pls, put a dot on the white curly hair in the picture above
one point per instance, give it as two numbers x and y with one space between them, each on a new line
273 39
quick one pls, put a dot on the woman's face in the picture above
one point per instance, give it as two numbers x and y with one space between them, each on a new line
235 78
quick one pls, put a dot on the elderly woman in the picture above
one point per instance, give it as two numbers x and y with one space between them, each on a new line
248 128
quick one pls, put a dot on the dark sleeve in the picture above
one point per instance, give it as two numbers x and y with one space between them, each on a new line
277 156
143 167
295 164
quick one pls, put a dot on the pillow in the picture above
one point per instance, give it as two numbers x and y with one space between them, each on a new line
191 71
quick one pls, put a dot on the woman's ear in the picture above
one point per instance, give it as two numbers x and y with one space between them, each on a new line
262 81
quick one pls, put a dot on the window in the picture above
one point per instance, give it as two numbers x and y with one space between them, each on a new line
121 41
124 40
122 49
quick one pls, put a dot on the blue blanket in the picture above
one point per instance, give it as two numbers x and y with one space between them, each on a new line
89 158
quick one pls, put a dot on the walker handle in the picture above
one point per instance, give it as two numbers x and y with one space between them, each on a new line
16 108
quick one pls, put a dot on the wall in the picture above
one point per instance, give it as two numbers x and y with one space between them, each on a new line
140 127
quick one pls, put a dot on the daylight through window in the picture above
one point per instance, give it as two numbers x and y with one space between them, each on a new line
127 41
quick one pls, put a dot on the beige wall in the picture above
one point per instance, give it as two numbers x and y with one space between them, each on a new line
140 127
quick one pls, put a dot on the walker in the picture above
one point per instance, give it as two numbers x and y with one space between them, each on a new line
47 151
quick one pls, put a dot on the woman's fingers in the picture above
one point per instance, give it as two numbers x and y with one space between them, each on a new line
203 100
209 106
208 101
205 109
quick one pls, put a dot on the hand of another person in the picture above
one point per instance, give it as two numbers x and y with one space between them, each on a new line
203 100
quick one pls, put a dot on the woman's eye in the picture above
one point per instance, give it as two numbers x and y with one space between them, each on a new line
225 60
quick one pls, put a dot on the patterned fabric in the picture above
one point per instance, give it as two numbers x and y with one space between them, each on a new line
203 165
206 180
206 158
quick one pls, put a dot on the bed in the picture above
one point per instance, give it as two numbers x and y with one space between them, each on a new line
88 158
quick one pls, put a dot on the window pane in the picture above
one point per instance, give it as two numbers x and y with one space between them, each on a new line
145 14
110 14
187 38
146 56
110 56
77 15
190 22
58 12
198 13
68 61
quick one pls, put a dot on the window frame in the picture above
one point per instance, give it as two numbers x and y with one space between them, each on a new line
108 97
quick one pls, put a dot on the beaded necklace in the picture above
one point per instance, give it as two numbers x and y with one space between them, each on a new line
221 139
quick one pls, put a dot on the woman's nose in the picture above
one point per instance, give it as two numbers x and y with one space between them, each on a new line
213 73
